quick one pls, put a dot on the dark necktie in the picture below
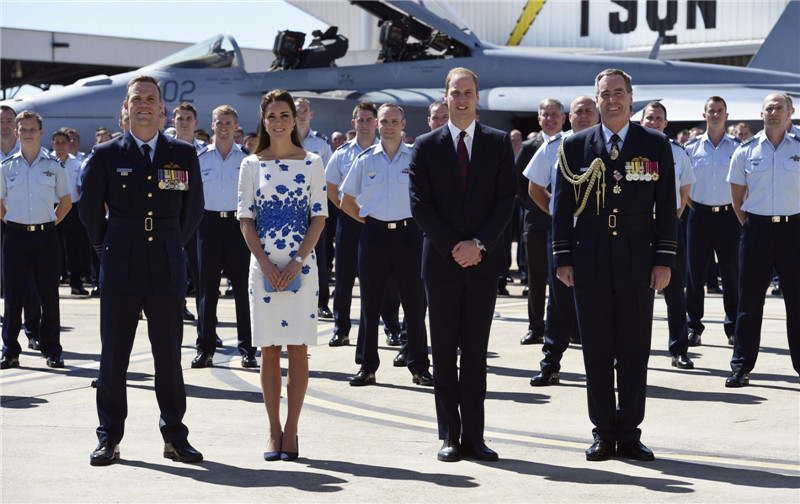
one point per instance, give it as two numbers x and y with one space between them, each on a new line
463 159
148 163
613 153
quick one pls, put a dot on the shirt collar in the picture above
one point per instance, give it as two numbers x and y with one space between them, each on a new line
403 148
725 138
235 147
353 144
607 133
152 142
454 131
762 137
14 149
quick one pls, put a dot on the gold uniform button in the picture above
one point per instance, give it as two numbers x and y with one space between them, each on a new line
149 177
124 186
149 238
615 210
149 213
149 195
614 233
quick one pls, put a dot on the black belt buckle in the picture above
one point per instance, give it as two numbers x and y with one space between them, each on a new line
33 227
780 218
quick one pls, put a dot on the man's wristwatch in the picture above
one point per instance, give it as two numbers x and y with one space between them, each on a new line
480 245
298 259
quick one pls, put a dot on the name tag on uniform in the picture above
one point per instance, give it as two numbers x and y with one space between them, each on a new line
124 171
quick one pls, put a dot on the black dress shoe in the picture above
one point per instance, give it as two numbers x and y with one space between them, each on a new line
187 315
392 339
339 340
362 378
401 359
737 379
105 453
33 343
7 362
530 338
600 450
544 378
635 450
55 361
229 292
203 359
95 292
694 339
182 451
324 313
249 361
714 289
478 451
682 362
79 291
502 291
525 291
218 342
449 452
424 378
730 339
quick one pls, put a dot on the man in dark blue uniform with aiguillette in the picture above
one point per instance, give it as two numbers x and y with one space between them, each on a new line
615 255
150 185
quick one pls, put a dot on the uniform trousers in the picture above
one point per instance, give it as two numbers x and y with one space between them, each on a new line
220 244
616 327
322 268
348 232
765 245
708 232
384 252
119 316
460 314
675 297
26 253
536 246
561 324
76 245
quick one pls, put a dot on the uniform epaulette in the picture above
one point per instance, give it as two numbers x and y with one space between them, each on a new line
202 150
749 140
553 138
790 135
735 139
675 142
9 158
368 149
319 135
690 142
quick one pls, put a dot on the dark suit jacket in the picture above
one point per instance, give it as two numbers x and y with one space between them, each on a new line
618 244
536 219
447 214
136 258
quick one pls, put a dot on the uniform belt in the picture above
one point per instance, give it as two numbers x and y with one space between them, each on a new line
714 209
615 221
146 223
773 218
31 227
389 224
222 215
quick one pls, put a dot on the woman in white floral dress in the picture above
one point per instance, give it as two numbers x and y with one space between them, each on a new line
282 210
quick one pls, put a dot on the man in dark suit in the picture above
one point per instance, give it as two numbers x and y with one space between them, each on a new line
462 193
615 255
151 187
536 221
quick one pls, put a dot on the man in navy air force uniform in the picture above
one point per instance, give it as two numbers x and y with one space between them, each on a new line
615 255
765 189
152 188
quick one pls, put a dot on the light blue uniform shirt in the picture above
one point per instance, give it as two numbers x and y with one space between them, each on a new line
316 144
542 169
341 162
73 167
380 186
221 177
772 176
710 167
30 191
684 175
607 134
14 150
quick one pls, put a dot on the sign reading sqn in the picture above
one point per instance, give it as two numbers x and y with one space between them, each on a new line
661 15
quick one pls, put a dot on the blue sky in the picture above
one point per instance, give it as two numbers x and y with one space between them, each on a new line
253 23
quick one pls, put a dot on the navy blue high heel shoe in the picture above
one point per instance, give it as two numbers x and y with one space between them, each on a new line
289 456
271 456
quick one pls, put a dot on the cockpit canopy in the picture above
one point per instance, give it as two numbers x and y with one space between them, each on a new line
219 51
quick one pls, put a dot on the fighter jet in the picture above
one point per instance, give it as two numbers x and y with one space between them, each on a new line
420 43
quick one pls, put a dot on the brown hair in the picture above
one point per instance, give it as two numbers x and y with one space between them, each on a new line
184 106
655 104
460 71
225 110
608 72
715 99
276 95
27 114
144 78
364 105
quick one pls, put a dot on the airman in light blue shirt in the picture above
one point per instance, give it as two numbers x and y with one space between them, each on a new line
710 165
221 177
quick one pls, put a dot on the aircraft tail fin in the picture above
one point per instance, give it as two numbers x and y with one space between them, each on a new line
779 51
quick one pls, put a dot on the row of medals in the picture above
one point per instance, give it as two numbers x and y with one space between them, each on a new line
631 174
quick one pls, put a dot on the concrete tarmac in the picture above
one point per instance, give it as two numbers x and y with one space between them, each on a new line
379 443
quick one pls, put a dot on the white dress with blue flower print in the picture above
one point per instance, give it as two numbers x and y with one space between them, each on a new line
282 196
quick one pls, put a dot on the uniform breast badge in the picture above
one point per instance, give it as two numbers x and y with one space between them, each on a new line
172 178
617 176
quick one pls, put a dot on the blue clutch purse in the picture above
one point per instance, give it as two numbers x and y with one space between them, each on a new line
293 286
